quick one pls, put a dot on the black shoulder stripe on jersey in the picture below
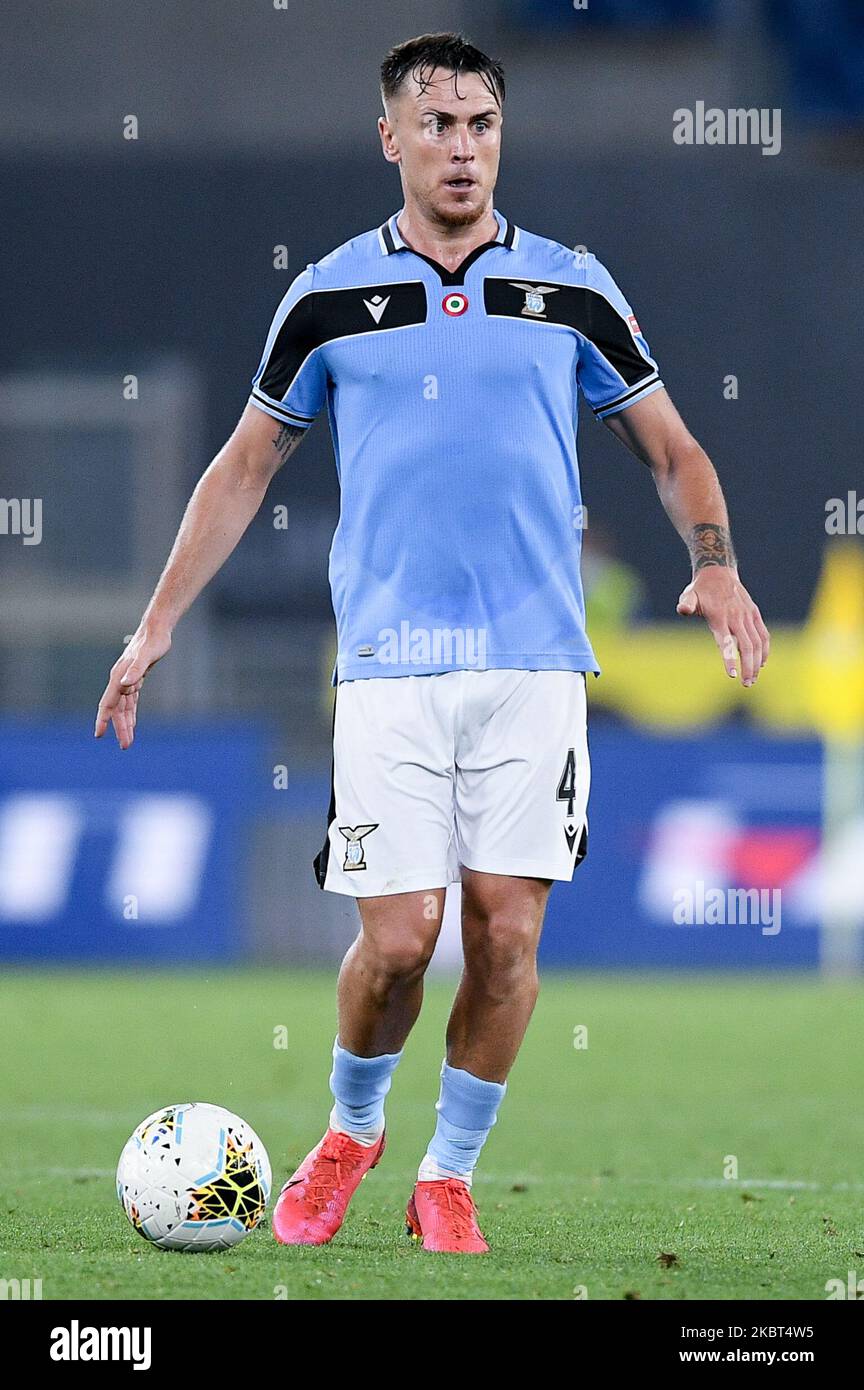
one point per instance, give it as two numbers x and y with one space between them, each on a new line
574 306
324 315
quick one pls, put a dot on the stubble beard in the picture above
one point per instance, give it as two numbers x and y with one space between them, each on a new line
455 217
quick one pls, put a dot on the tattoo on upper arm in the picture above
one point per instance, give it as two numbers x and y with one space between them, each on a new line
286 441
710 545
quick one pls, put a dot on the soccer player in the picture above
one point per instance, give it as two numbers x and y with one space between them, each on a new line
449 347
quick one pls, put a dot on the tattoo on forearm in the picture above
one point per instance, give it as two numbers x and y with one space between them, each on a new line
710 545
286 441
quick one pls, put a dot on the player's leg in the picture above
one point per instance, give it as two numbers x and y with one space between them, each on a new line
380 992
390 845
380 987
522 789
502 918
379 997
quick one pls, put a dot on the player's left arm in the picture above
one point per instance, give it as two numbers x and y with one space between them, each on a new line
690 491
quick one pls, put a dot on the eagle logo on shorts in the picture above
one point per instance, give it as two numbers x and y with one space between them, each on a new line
354 852
535 302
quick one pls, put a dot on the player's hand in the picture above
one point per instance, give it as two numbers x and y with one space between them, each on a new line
119 703
717 595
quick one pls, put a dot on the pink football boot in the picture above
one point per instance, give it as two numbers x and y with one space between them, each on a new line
312 1204
442 1214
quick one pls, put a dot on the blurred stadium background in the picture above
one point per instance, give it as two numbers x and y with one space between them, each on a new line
161 933
140 275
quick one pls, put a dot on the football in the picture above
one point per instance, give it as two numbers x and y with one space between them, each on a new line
194 1177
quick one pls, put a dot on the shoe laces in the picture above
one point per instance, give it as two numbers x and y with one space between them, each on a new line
333 1164
456 1200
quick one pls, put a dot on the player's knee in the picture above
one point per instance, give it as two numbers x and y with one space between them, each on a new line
398 959
501 944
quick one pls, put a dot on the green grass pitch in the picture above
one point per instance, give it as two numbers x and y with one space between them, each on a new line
603 1177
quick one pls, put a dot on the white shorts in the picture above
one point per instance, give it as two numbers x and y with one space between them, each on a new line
483 769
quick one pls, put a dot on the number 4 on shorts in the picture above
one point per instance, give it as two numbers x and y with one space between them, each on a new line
567 785
567 792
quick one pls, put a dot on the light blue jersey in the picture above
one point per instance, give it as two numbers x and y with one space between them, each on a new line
452 399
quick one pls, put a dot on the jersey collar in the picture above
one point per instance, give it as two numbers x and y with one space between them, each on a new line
391 240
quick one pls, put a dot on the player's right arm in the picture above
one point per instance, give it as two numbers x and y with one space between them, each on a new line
225 500
288 390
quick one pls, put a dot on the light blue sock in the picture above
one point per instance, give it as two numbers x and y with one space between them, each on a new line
467 1109
359 1085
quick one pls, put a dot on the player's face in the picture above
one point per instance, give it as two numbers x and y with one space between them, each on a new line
446 138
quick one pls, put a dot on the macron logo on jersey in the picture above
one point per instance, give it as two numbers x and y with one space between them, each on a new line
376 306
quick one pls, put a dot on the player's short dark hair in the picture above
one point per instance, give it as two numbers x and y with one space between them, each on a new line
420 57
